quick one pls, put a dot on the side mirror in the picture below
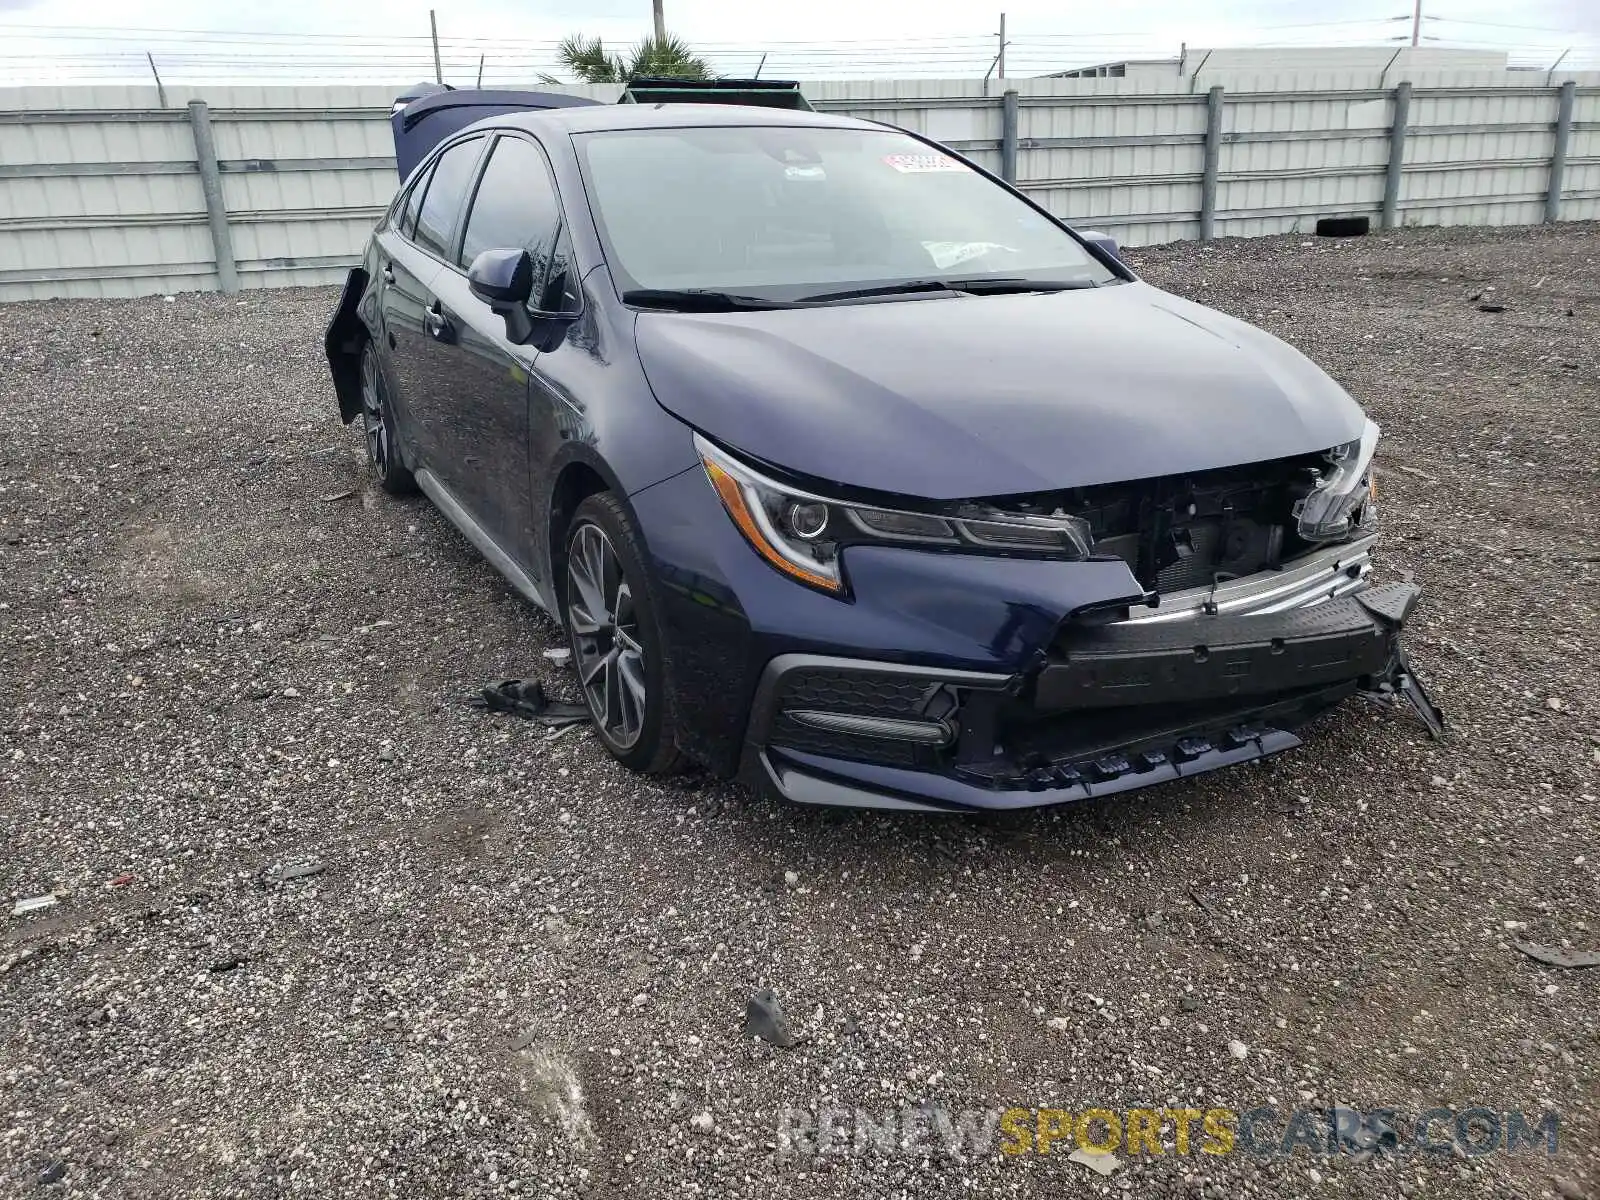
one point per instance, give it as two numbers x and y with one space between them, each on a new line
1103 241
501 278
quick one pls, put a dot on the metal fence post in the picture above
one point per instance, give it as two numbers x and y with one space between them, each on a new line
1208 180
205 149
1558 156
1008 137
1397 154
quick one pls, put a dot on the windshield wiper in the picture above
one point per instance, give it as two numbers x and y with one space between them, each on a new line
706 300
980 286
698 300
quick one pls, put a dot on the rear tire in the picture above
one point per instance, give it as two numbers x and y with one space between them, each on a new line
609 601
381 430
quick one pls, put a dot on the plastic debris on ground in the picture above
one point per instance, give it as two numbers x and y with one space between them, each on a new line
764 1019
525 698
1567 959
32 904
293 868
1100 1164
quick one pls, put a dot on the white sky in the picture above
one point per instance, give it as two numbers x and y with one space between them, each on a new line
387 40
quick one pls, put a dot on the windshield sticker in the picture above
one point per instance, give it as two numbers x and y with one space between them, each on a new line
948 254
804 173
918 164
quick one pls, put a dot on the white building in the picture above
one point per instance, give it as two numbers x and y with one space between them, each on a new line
1269 60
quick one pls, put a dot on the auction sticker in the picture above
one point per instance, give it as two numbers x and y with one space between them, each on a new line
916 164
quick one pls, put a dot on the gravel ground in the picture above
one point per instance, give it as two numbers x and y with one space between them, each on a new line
521 970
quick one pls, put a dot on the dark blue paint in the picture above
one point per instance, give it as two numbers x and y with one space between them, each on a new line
730 613
994 395
938 399
501 277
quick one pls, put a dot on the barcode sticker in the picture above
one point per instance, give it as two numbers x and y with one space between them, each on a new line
914 164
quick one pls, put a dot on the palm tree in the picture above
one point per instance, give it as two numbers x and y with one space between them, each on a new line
587 59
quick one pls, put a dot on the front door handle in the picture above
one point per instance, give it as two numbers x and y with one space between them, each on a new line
436 323
388 273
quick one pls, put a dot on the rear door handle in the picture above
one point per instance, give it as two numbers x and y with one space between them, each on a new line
388 273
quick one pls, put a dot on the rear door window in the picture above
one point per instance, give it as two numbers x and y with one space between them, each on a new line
447 190
516 206
406 218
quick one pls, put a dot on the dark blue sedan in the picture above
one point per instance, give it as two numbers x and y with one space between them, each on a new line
850 471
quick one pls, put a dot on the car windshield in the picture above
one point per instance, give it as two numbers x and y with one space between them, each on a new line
786 212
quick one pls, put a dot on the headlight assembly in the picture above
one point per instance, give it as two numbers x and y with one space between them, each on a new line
1326 514
802 534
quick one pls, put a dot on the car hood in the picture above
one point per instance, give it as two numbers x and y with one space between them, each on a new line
974 396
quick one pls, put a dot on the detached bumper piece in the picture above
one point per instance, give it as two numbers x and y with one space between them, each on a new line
1118 665
1111 707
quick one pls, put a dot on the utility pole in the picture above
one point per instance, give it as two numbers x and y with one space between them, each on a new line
433 24
1000 71
161 91
1416 22
661 20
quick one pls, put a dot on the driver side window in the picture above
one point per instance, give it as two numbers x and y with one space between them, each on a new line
515 207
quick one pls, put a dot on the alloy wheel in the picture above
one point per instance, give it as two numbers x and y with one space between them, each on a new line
605 635
374 417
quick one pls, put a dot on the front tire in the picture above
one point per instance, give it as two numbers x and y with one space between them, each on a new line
382 431
609 600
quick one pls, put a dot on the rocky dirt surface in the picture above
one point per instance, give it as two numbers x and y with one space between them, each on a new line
324 930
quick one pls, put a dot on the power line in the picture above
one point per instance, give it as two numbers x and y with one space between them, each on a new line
141 32
193 55
1503 25
131 33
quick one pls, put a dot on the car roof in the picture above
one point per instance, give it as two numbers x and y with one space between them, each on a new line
606 117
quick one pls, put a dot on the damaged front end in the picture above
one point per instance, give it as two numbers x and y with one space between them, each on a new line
1248 612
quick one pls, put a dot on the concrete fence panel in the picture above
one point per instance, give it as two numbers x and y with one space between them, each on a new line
102 191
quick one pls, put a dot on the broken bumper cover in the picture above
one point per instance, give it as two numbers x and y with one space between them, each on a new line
1108 708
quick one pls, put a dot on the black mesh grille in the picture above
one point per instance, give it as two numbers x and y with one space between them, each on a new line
865 693
853 691
1199 563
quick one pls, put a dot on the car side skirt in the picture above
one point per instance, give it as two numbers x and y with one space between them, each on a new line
457 515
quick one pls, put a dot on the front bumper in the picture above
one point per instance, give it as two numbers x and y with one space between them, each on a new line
1107 707
951 649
